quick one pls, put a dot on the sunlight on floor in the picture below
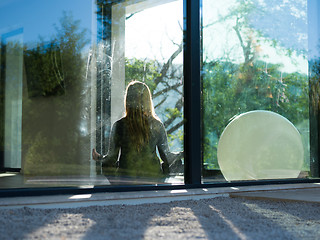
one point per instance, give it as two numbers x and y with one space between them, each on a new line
229 223
174 222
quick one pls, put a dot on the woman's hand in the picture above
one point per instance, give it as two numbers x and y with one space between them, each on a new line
95 155
181 155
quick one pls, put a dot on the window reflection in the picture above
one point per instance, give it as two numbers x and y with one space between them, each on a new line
63 77
255 58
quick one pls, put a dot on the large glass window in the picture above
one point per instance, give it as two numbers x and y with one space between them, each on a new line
255 90
64 73
110 92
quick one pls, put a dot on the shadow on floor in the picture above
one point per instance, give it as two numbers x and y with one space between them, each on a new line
217 218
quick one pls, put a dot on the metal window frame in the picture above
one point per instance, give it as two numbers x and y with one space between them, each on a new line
192 91
314 98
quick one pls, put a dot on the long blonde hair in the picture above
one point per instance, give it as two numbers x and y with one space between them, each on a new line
139 108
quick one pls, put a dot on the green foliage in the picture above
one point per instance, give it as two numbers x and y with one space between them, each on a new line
230 89
172 113
45 61
177 136
52 104
142 70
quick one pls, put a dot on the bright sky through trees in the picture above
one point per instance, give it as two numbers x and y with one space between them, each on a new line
155 32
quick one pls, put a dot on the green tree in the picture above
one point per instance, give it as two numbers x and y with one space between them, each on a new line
230 88
52 105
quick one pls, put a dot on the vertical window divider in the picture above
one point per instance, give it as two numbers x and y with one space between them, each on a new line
192 92
314 115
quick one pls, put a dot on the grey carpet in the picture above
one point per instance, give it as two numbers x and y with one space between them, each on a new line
217 218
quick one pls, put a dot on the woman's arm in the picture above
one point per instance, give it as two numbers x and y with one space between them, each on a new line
113 150
166 155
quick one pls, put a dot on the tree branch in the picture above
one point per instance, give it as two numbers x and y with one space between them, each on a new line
175 127
161 102
246 49
165 90
167 65
179 105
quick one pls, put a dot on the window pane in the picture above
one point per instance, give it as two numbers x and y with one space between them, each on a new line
64 73
255 81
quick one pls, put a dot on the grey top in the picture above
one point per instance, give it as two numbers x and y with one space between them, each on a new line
144 162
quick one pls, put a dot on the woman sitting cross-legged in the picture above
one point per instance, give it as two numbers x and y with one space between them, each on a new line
137 136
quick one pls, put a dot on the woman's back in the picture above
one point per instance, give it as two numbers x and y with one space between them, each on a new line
137 137
134 159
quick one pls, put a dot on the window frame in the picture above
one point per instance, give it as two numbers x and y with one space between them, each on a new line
314 115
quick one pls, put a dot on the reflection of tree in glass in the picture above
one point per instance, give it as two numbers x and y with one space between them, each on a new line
51 107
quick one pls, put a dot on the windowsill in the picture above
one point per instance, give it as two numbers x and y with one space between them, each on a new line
274 192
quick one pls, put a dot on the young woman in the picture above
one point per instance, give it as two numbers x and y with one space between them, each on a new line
137 136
